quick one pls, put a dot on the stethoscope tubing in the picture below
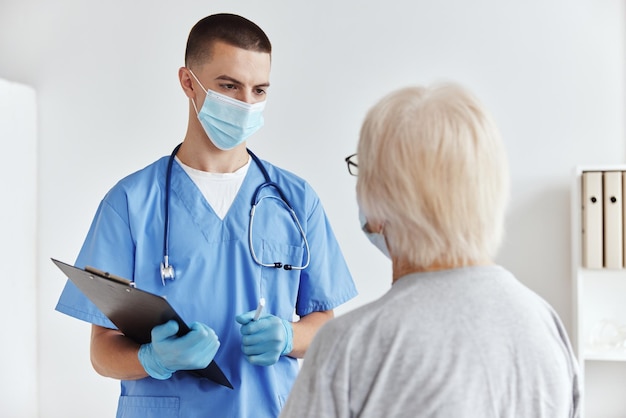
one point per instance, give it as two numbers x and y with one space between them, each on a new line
167 269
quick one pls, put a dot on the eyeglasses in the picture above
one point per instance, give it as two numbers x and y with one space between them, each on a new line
353 166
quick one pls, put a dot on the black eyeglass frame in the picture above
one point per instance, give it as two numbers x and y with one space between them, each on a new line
353 167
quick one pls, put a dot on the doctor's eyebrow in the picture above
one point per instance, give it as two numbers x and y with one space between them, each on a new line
232 80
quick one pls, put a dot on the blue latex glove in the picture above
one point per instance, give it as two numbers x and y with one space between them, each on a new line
266 339
168 353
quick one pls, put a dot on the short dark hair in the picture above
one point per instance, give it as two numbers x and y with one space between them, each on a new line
228 28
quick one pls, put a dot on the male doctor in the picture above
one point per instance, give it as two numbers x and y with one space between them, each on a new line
217 262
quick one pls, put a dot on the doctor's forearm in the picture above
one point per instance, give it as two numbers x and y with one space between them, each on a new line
113 355
305 329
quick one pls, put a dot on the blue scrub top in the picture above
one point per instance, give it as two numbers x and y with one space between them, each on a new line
216 279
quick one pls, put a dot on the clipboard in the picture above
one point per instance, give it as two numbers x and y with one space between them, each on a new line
133 311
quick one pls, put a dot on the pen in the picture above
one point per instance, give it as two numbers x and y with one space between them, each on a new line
259 309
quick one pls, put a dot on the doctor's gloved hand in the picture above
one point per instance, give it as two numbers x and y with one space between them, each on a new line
168 353
266 339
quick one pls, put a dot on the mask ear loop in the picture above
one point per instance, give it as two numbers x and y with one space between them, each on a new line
198 81
203 89
194 107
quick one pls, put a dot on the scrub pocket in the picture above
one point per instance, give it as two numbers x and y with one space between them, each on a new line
280 284
148 407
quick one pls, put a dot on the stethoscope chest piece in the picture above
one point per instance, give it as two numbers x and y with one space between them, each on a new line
167 270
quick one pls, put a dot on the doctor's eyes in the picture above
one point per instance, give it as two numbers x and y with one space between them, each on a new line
235 87
229 87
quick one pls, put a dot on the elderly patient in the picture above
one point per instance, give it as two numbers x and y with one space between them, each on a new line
456 335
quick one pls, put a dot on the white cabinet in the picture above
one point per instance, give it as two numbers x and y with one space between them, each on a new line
18 246
599 336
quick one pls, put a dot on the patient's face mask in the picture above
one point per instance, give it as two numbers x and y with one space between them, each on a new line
376 238
228 122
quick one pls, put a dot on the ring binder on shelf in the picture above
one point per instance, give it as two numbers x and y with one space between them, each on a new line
592 233
612 191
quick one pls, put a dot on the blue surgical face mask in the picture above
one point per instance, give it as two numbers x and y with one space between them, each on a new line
228 122
376 238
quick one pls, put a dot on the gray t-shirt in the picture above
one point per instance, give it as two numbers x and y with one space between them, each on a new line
469 342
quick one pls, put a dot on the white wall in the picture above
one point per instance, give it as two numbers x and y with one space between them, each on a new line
18 248
551 71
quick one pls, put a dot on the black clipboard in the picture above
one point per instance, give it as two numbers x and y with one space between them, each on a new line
133 311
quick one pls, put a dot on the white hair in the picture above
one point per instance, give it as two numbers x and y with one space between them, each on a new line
433 171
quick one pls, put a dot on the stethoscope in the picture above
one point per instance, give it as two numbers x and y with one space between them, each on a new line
167 269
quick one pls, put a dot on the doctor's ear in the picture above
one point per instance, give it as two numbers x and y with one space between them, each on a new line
186 82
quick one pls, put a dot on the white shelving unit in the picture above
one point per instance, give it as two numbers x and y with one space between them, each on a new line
599 335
